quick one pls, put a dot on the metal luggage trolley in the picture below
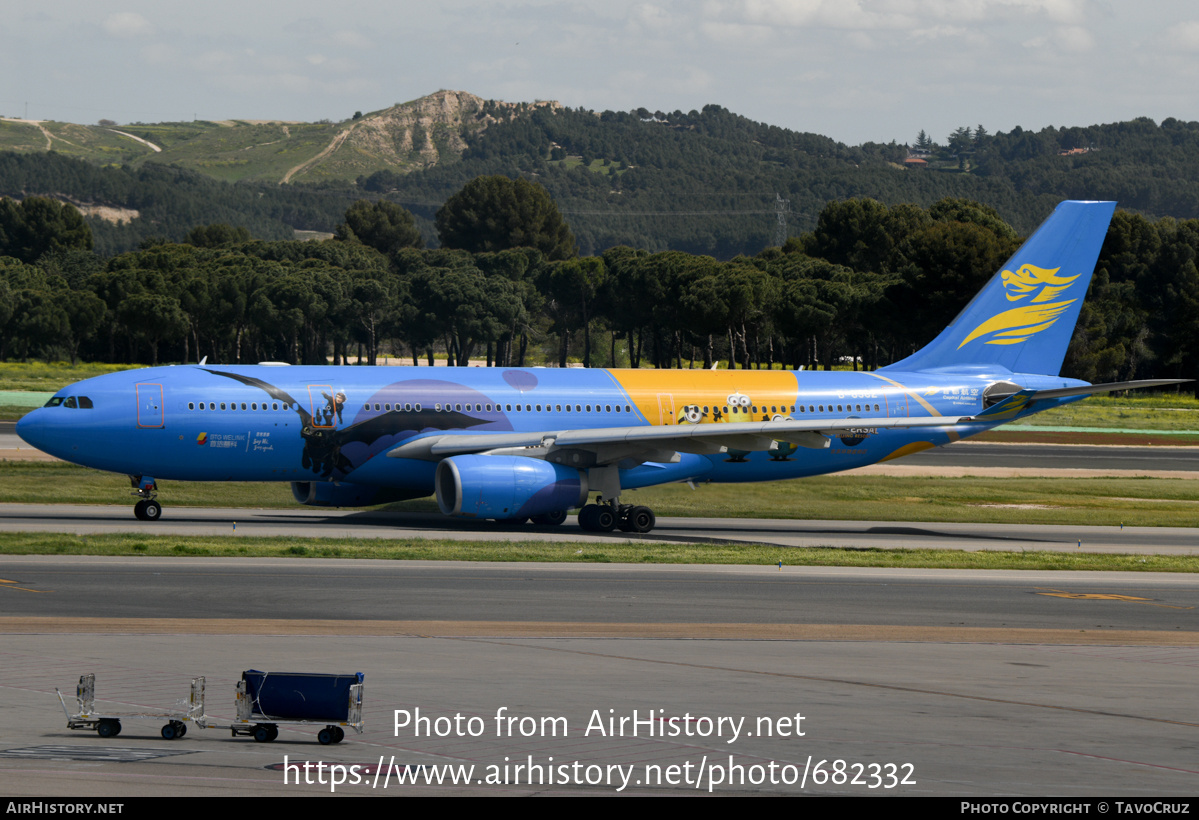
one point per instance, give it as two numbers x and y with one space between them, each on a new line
267 700
108 724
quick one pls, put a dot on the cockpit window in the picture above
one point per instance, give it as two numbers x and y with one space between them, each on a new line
85 403
70 402
54 402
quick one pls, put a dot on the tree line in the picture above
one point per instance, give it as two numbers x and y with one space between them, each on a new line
868 286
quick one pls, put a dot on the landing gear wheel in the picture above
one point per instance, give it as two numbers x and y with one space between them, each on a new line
604 518
553 519
587 518
641 519
147 510
597 518
108 728
325 736
339 734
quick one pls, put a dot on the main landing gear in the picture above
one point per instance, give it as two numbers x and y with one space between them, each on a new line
605 517
146 488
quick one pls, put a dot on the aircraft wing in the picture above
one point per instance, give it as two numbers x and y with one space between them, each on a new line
609 445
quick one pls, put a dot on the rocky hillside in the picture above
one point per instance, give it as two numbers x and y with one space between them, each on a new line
407 136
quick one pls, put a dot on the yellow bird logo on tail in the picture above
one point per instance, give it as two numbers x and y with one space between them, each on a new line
1019 324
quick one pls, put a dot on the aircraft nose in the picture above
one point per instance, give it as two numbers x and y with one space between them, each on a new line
32 429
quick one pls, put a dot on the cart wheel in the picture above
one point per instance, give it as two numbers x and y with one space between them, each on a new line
274 732
108 728
325 736
262 733
169 732
338 734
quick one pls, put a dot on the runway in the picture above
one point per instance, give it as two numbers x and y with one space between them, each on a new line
947 683
311 523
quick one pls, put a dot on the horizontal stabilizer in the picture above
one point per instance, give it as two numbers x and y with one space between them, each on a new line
1110 387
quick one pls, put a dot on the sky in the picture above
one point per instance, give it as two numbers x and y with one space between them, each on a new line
854 70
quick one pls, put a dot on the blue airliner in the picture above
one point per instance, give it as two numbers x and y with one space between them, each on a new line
520 444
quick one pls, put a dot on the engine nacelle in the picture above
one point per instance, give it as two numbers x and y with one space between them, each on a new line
507 487
327 494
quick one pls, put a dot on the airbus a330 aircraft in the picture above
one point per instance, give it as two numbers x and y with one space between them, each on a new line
518 444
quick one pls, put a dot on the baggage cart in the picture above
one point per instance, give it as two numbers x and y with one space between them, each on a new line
108 724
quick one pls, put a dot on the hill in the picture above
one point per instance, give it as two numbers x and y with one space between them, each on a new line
708 181
405 137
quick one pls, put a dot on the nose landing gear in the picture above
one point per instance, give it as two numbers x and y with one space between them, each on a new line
146 488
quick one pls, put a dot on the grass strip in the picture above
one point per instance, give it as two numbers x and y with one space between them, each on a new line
401 549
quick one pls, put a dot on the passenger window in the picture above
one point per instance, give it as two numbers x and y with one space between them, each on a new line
191 405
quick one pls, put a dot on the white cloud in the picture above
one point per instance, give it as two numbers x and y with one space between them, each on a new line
127 24
1184 36
1074 38
1067 38
352 39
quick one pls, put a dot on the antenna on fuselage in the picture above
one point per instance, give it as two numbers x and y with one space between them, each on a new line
203 361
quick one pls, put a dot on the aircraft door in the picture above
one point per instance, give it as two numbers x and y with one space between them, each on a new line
325 406
149 405
666 408
897 405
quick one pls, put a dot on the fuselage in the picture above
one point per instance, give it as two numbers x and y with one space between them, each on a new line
336 424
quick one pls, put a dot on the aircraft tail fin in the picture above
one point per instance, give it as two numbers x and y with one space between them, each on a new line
1024 317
